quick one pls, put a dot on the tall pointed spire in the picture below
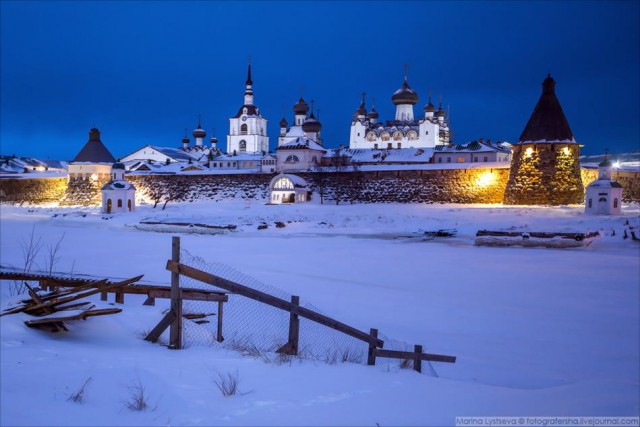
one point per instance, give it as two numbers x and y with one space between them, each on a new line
248 93
249 81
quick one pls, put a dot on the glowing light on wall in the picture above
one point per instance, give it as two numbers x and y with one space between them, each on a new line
565 150
94 177
485 179
528 152
616 164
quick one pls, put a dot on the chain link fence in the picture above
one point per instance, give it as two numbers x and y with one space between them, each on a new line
257 329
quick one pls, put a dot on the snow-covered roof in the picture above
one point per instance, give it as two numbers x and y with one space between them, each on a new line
474 147
240 157
397 155
297 181
302 143
118 185
605 183
295 131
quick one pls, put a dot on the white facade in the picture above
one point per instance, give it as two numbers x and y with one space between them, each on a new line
93 171
604 195
248 129
286 188
118 195
299 155
405 131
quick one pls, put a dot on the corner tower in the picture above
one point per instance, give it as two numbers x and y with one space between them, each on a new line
545 164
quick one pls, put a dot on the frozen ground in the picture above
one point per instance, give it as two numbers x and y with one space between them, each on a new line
549 332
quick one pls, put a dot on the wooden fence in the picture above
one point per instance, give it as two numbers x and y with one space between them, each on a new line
294 309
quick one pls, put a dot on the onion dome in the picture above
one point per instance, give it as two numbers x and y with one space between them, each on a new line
440 112
430 108
199 132
362 110
118 165
185 140
404 95
283 123
373 114
301 107
311 125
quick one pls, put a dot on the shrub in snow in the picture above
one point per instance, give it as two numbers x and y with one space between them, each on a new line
227 383
79 395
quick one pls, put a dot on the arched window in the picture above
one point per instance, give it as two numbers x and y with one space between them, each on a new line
615 203
129 204
108 205
602 199
243 144
119 203
590 202
292 159
243 129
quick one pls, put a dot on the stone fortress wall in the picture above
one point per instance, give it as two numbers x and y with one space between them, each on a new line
410 186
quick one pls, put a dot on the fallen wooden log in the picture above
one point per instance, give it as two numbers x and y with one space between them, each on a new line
82 315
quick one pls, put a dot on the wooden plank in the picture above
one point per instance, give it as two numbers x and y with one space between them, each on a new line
237 288
82 316
161 327
175 333
371 354
219 337
395 354
80 295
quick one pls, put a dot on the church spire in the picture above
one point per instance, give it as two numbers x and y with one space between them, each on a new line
248 93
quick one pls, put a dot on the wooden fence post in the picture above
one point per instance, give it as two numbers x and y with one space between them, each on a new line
373 337
294 325
220 337
417 362
175 332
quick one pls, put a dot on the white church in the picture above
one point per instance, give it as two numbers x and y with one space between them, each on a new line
248 129
406 130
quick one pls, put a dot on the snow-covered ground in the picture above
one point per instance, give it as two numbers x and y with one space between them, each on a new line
537 331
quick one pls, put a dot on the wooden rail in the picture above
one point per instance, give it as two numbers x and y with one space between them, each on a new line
262 297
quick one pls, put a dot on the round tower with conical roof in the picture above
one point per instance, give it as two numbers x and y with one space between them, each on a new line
545 163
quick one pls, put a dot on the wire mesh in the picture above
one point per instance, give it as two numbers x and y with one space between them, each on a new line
257 329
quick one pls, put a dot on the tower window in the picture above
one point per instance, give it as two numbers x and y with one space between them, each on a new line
243 144
243 130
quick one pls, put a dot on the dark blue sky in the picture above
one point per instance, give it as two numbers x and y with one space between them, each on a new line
143 71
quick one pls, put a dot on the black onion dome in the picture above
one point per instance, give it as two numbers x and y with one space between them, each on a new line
199 132
430 108
373 114
185 140
440 112
311 125
284 123
362 110
404 95
301 107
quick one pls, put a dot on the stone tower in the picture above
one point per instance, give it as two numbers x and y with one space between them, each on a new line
545 165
